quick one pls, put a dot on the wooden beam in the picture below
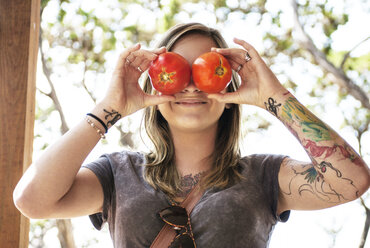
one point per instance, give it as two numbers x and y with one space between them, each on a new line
19 31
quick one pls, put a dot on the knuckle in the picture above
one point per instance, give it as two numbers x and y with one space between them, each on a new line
122 55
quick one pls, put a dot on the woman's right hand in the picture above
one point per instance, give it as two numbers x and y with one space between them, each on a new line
124 93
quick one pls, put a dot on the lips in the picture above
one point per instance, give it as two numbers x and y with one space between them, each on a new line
191 101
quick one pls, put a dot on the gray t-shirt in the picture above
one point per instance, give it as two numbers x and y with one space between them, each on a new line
241 215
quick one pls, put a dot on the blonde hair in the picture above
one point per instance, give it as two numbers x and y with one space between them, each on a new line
160 171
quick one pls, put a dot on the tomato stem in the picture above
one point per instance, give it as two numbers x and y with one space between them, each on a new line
220 70
166 77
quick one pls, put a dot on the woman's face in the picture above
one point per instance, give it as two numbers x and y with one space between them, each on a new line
192 111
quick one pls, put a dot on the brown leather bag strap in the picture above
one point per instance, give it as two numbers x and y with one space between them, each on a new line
167 233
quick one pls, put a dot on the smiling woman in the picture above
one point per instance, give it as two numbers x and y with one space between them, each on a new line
192 111
196 145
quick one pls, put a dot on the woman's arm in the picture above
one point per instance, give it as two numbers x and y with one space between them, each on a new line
336 173
55 186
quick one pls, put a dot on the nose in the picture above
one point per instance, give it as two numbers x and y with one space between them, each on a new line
190 88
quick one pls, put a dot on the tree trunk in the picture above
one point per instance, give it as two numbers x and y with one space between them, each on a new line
65 233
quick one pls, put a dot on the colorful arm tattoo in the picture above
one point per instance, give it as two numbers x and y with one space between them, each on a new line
314 182
315 129
324 147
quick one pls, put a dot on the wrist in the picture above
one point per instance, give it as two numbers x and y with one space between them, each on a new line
274 103
107 114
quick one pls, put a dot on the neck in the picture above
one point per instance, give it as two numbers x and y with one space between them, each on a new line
192 150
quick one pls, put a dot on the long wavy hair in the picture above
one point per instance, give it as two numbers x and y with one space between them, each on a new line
160 170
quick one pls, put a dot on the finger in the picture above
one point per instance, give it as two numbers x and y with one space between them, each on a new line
151 100
241 69
226 51
124 55
251 50
159 50
144 54
144 60
235 54
243 43
228 97
138 61
234 62
235 65
145 65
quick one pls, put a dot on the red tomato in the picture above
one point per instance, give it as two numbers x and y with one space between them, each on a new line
211 72
169 73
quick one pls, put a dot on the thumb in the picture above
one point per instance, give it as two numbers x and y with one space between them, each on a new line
151 100
229 97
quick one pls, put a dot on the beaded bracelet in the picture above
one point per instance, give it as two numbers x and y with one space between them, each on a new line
95 127
99 120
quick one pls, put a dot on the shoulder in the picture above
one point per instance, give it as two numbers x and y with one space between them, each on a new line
261 165
260 160
124 158
118 163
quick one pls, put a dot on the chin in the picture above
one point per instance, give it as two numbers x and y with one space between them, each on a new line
194 127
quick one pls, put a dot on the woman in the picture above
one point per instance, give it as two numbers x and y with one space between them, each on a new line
195 137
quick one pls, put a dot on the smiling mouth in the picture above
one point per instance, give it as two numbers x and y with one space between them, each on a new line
190 102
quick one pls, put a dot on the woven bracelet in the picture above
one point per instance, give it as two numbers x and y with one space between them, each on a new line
99 120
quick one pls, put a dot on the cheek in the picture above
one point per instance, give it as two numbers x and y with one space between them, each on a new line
161 108
220 109
215 111
164 109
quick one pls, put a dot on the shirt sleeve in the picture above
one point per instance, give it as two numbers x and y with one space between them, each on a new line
270 165
103 170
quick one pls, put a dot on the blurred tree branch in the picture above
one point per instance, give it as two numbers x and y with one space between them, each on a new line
367 224
52 94
346 56
340 77
360 131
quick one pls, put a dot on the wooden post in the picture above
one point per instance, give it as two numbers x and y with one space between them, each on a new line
19 31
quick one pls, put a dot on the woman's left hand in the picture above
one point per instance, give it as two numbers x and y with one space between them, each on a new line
258 82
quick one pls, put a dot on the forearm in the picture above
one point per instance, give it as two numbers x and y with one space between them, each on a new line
334 160
50 177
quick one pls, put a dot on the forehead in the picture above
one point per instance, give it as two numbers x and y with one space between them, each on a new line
193 45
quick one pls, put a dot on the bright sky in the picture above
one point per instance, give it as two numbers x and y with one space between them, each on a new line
304 229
